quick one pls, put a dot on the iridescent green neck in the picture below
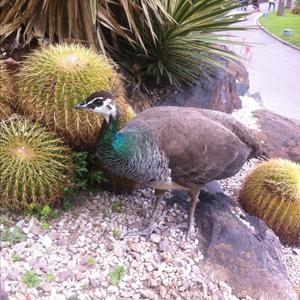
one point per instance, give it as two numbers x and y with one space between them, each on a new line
108 131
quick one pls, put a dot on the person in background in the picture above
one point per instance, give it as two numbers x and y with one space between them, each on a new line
271 3
255 4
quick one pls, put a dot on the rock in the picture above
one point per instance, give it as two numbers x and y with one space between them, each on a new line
36 230
3 293
219 92
240 250
79 276
46 241
64 275
149 294
155 238
163 292
46 287
225 288
280 136
164 245
136 247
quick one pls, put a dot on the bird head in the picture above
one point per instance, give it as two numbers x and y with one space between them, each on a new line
100 102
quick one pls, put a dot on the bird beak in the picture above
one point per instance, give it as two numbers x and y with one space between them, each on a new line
79 106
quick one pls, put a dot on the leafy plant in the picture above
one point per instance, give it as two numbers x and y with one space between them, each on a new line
91 261
31 279
116 233
13 235
179 45
116 275
116 207
16 257
49 277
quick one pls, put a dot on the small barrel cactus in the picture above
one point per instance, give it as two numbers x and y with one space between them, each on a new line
35 166
272 193
6 93
54 79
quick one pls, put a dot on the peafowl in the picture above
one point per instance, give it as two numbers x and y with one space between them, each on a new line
170 147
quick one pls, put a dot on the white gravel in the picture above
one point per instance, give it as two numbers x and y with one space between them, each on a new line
76 254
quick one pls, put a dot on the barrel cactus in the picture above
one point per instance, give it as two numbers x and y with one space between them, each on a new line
6 93
54 79
272 193
35 166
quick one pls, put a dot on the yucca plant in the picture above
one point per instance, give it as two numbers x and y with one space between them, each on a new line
35 166
54 79
6 93
272 192
181 45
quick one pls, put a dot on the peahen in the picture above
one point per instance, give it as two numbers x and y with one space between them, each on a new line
171 147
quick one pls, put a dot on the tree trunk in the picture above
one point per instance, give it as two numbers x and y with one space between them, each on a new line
288 4
280 11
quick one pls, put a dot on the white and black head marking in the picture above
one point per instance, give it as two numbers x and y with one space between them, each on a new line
100 102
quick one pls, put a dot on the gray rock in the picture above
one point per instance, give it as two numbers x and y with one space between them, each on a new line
79 276
164 245
155 238
46 287
64 275
149 294
247 257
163 292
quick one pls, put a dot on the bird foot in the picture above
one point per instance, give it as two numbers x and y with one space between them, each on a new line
191 231
146 232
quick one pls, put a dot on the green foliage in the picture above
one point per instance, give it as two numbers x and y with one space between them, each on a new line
116 275
16 257
177 47
86 174
91 261
296 9
50 277
35 166
116 233
4 220
43 213
272 192
31 279
13 235
276 25
116 207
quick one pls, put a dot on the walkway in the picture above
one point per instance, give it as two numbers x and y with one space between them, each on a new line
274 69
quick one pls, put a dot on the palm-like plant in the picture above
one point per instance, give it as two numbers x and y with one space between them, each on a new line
182 43
168 40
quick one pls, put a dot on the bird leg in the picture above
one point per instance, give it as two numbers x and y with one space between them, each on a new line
189 225
194 194
154 219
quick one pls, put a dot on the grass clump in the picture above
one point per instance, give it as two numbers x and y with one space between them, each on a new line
31 279
13 235
116 275
50 277
276 25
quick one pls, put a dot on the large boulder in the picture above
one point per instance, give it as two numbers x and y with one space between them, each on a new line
220 91
239 249
280 136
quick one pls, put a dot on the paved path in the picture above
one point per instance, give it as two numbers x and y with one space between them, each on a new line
274 69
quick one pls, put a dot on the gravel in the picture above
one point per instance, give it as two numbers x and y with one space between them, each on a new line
83 250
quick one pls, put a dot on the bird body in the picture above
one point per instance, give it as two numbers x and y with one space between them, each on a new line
190 145
172 147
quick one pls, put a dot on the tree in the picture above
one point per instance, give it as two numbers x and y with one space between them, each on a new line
288 4
280 11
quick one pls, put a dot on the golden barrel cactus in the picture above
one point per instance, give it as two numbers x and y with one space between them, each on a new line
35 166
6 93
272 192
54 79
